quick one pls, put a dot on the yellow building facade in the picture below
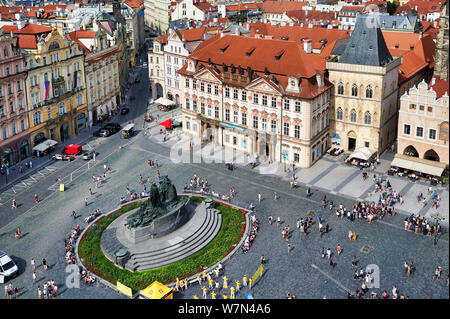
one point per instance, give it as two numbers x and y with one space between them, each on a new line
56 88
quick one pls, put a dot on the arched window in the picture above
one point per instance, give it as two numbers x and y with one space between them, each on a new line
354 90
339 114
353 116
340 89
367 118
369 92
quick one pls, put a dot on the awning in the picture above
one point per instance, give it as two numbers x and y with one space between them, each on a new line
418 165
363 153
164 101
42 147
167 123
156 291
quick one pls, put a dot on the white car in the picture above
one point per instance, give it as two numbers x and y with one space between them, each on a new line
8 268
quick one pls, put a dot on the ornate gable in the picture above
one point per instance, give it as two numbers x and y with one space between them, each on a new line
262 86
207 75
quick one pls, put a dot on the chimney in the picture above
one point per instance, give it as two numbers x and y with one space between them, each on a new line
307 45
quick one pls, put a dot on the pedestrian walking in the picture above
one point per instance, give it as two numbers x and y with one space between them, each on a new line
14 204
33 264
308 192
270 220
259 198
44 264
39 292
289 248
36 199
275 196
278 220
85 201
34 277
339 249
90 191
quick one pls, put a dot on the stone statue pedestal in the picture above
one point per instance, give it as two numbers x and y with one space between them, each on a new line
160 226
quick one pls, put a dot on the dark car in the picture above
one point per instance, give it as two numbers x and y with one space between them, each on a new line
124 110
112 127
103 132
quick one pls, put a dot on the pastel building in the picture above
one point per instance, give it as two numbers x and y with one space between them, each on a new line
258 96
14 133
423 124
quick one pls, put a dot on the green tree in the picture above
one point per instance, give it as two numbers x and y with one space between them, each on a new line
392 6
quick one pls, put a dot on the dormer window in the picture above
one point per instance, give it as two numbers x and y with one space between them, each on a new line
279 55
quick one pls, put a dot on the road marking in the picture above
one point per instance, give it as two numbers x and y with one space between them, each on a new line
339 284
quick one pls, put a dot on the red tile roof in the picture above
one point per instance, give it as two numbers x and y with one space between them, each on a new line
321 37
27 41
242 7
196 34
281 6
280 57
440 86
205 7
28 29
310 16
417 51
423 7
134 3
81 34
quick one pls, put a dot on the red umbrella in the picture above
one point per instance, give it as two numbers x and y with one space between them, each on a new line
167 123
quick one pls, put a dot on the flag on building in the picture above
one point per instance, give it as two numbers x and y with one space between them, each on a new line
46 90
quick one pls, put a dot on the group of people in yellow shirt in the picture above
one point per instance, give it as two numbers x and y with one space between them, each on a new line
204 277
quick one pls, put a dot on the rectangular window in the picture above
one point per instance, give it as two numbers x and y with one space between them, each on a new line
264 124
244 118
227 138
187 82
264 100
255 122
188 104
22 125
202 87
297 106
208 88
227 92
216 90
297 131
235 117
194 106
286 105
244 96
296 157
202 108
406 129
227 115
419 131
255 98
194 84
14 132
209 111
234 140
216 112
235 94
273 126
5 133
286 129
188 125
274 102
432 134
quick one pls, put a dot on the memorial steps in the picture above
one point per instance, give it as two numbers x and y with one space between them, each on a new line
194 235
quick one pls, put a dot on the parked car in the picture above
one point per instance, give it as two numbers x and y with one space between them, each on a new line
112 127
103 132
63 157
124 111
87 155
8 268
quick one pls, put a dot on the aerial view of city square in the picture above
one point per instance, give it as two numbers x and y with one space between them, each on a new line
217 149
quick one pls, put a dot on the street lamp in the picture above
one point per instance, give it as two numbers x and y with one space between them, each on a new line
437 217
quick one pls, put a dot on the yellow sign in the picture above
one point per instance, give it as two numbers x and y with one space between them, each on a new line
257 274
124 289
61 187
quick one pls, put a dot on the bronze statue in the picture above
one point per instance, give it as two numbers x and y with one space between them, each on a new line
160 198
